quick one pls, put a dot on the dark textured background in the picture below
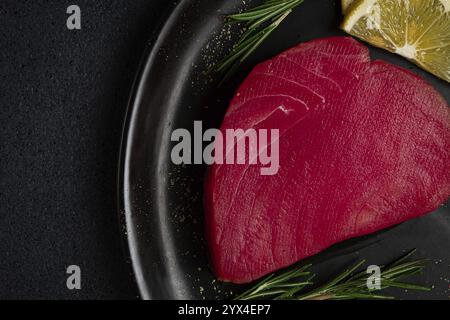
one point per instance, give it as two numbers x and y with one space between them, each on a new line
63 96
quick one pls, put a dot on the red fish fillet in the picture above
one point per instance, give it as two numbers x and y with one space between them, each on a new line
364 145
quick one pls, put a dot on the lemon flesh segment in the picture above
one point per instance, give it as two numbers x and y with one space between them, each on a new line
418 30
345 5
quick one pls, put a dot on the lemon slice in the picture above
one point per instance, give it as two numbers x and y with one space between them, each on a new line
418 30
345 5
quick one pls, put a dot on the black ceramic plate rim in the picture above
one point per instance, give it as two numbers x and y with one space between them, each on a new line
125 212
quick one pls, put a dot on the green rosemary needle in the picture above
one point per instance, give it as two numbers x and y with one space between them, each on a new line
259 22
350 284
278 285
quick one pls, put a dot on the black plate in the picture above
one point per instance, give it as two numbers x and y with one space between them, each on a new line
162 203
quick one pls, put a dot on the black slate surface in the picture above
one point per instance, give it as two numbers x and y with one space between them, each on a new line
63 96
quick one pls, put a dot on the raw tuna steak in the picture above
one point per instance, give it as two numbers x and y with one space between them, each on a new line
363 145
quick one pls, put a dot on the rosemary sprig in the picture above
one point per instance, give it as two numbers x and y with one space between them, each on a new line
259 22
278 285
350 284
